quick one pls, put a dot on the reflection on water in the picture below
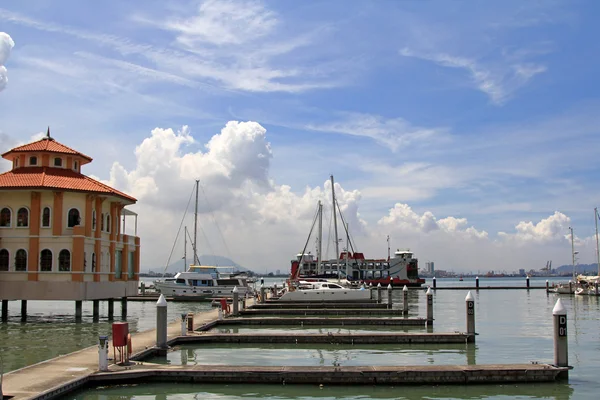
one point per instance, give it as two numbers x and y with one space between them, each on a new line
311 392
319 355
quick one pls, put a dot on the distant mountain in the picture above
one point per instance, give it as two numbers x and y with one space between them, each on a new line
205 259
580 269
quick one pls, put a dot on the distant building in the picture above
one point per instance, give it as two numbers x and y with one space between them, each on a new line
522 271
430 267
61 232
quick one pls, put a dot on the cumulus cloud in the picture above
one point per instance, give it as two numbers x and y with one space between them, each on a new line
404 218
6 46
552 229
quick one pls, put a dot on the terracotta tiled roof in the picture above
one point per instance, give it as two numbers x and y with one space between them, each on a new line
55 178
47 144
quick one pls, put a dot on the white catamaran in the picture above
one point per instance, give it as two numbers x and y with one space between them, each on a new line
201 281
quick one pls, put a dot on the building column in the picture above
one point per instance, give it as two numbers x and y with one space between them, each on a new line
78 254
34 236
23 310
124 308
4 310
95 310
78 310
98 238
111 309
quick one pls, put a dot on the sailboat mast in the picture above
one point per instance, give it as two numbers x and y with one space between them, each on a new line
320 248
337 244
596 216
347 251
185 249
196 261
572 251
388 243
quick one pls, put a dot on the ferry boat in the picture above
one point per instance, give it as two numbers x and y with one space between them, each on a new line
400 270
352 266
202 281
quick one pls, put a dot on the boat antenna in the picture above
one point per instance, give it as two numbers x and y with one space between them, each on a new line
337 245
196 261
388 243
572 252
596 216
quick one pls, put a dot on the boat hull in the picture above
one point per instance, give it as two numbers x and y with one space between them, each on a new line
326 295
183 291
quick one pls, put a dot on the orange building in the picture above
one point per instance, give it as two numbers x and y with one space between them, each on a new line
61 232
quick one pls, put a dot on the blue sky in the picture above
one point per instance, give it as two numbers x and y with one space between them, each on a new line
484 111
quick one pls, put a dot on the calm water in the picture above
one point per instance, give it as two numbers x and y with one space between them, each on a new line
514 326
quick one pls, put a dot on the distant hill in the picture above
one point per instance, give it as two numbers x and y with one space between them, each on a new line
580 269
205 259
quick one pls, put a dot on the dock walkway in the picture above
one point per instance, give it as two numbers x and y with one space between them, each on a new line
50 378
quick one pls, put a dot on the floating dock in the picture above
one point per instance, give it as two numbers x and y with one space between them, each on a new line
324 321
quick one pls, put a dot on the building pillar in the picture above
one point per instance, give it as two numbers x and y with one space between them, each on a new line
111 309
4 310
124 307
23 310
78 310
96 310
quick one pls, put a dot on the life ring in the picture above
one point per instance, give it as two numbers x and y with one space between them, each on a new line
129 346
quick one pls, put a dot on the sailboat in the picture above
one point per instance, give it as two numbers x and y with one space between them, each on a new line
202 281
588 284
399 270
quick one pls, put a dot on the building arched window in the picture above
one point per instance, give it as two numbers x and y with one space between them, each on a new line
102 222
93 220
64 260
46 217
58 162
74 219
108 223
4 260
23 217
46 260
21 260
93 262
5 217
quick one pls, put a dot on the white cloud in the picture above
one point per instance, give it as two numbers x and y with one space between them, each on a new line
392 132
222 22
402 217
6 46
555 228
499 81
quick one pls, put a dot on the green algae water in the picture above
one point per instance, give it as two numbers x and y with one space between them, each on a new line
514 326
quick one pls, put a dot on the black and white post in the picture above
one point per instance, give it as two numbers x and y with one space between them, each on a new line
405 300
389 296
262 293
434 284
470 300
161 322
379 293
429 307
236 301
561 344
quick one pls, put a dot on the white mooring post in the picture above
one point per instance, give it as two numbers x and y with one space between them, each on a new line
262 293
379 293
370 291
183 324
470 300
434 282
476 282
102 353
161 322
236 301
389 294
561 344
429 307
405 300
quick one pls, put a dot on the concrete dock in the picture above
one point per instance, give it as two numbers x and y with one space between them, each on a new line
323 311
57 376
324 321
329 338
371 375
